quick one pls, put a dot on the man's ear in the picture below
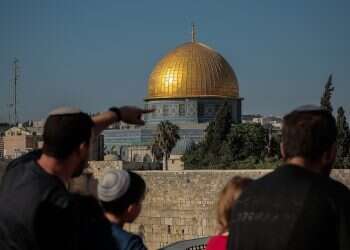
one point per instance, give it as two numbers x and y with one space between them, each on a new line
83 148
130 208
133 210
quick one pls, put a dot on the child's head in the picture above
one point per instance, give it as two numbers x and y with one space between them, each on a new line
121 193
227 199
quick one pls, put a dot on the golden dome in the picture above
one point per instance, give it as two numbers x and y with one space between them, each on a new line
192 70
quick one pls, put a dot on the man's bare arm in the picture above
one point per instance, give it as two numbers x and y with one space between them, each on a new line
130 115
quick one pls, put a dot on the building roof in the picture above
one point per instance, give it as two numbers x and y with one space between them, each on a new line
18 131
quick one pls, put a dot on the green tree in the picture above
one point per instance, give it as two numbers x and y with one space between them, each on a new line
273 144
167 135
274 150
343 138
244 141
327 95
156 152
207 152
227 145
216 133
193 156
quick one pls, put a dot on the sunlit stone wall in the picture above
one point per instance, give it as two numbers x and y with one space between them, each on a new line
181 204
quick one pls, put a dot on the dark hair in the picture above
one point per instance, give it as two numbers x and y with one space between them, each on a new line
308 134
64 133
133 195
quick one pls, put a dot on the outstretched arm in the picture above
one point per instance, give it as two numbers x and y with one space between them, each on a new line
128 114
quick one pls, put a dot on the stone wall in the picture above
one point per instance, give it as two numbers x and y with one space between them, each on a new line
96 167
181 204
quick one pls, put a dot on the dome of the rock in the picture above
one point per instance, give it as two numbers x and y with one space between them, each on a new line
192 70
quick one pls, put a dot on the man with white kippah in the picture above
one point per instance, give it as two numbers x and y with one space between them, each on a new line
36 209
297 206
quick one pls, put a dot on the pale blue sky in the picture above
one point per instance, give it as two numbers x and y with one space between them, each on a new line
94 54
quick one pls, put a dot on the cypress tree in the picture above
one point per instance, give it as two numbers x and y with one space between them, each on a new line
207 152
218 129
327 95
343 136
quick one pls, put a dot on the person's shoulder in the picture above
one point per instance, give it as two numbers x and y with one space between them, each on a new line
20 175
120 234
127 240
136 243
217 242
85 200
87 205
337 188
337 184
57 195
24 159
217 238
267 179
18 166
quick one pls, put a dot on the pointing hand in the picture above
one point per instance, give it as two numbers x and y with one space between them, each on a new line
133 115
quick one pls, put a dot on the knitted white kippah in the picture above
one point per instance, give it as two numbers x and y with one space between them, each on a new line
113 184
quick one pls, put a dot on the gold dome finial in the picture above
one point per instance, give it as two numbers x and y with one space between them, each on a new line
193 33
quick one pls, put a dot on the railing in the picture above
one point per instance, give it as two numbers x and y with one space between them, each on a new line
194 244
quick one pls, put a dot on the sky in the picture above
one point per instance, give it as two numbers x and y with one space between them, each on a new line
97 54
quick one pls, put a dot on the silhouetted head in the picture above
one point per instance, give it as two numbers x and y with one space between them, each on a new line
66 136
309 133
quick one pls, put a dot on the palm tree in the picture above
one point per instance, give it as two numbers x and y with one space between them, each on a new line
165 140
156 152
